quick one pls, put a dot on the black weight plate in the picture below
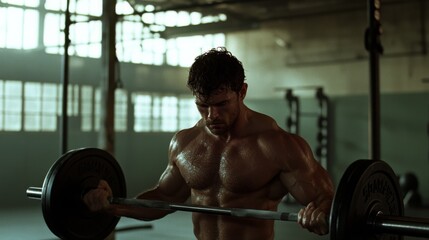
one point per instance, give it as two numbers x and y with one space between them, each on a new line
367 186
68 178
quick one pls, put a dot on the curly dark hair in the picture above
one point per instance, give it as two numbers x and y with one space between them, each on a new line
215 70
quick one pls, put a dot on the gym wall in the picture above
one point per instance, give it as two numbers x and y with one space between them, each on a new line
322 50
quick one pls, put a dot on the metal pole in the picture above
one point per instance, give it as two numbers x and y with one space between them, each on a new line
108 81
374 48
65 83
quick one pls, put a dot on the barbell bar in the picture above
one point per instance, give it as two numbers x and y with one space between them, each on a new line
36 193
383 224
367 204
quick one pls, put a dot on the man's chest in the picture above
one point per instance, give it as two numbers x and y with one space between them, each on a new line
235 168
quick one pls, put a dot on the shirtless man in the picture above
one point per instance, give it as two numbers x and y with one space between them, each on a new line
233 157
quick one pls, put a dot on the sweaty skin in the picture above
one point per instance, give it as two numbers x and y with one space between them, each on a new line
234 157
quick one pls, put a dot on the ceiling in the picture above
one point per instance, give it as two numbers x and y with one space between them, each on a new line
249 14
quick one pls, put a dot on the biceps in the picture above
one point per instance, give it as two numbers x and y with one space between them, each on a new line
299 186
308 185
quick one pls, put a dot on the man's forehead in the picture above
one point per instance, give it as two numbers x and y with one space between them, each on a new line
217 96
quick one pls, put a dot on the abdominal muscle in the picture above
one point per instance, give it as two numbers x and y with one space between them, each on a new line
219 227
212 227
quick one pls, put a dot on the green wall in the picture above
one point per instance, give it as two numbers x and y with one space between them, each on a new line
404 138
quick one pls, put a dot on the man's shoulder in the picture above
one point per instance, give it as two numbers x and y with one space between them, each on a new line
265 125
185 136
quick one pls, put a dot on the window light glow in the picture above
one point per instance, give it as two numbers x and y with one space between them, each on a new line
138 40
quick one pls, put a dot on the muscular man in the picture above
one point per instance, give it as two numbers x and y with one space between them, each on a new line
233 157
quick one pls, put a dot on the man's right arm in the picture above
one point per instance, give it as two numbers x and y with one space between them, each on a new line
171 187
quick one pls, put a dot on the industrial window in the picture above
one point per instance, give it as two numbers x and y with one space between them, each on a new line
85 34
188 114
163 113
35 107
91 109
40 105
138 37
182 51
43 105
97 109
142 112
86 106
121 106
11 109
170 108
19 28
72 100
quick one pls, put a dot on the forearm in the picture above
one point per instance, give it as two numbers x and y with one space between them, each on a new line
325 193
136 212
140 212
324 202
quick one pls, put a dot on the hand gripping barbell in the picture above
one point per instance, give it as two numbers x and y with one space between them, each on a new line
367 204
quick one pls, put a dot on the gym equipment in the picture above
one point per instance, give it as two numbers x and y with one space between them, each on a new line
69 178
367 204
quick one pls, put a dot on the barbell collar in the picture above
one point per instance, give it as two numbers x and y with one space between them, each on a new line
401 225
234 212
34 193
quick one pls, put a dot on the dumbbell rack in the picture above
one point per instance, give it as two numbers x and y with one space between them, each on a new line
293 122
321 116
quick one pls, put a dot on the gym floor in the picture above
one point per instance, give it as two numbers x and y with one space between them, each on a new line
25 224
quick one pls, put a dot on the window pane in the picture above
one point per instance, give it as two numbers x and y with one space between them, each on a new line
14 27
183 19
52 32
15 2
32 106
188 113
72 100
96 7
49 123
13 105
32 123
86 108
31 29
121 110
32 3
49 106
142 112
156 113
73 97
50 95
169 114
56 5
3 21
12 122
97 106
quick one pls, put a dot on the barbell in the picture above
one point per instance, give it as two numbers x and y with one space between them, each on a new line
367 204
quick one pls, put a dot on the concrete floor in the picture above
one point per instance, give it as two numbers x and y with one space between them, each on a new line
23 224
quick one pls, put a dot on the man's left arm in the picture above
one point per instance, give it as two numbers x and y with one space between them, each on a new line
309 183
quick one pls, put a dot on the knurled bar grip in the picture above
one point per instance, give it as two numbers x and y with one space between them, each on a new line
235 212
